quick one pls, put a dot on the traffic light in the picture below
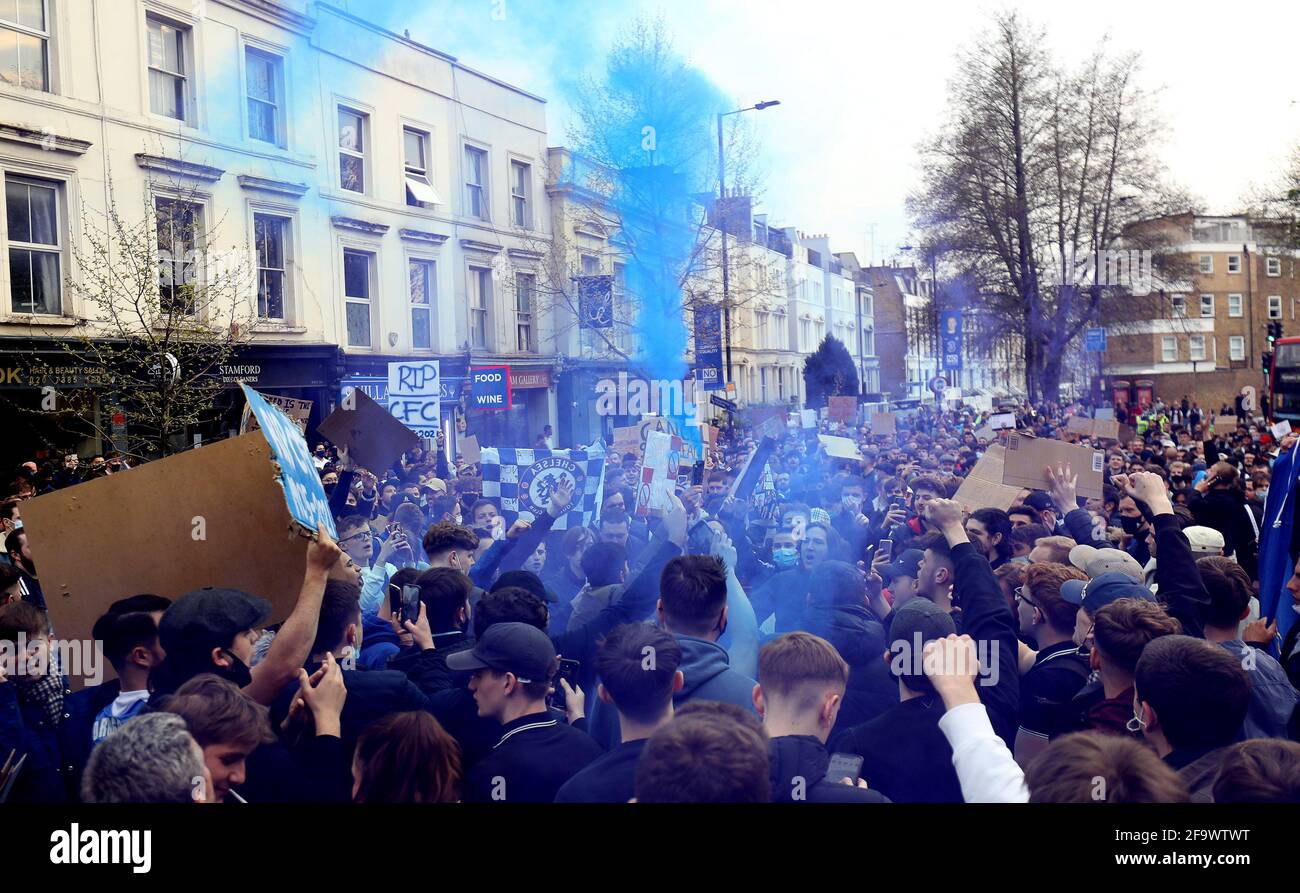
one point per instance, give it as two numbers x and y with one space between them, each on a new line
1274 332
1266 361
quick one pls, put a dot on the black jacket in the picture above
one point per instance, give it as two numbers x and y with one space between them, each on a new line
860 639
986 617
797 766
1225 511
905 754
535 756
372 695
610 778
1178 582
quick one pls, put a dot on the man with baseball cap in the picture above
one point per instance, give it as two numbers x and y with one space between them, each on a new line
900 576
512 665
1092 595
1095 562
213 630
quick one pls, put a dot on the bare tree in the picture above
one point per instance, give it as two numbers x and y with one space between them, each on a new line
164 304
1038 172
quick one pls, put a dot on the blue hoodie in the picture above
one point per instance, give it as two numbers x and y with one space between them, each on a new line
378 642
709 677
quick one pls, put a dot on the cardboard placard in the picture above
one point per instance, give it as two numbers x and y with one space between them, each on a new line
469 449
1078 424
842 409
1104 413
983 487
415 394
303 493
885 423
1110 429
651 490
985 434
1003 421
807 418
1027 459
627 440
373 437
1281 429
839 447
1224 424
209 517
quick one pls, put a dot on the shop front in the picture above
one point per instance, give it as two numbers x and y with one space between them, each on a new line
300 372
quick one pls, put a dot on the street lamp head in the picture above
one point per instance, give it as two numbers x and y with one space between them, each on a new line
767 104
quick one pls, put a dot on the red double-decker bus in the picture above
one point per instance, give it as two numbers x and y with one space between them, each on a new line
1284 380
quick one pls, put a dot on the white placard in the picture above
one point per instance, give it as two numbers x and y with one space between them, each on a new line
414 395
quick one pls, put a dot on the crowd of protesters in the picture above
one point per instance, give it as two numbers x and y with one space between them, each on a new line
851 633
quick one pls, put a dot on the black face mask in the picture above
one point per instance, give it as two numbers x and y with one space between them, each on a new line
1130 525
238 671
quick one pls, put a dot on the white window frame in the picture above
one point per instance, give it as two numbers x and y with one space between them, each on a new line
1169 349
1273 266
418 178
1237 348
484 193
200 206
363 117
1193 341
1206 264
286 259
44 36
371 254
431 265
1234 260
1234 299
526 197
478 275
1207 305
526 318
1178 306
279 92
62 236
188 71
1274 306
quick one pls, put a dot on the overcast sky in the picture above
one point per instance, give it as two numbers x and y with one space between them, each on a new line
863 84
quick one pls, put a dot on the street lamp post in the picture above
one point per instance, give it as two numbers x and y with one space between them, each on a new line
722 200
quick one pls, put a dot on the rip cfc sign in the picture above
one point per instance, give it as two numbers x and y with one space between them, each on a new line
414 395
490 387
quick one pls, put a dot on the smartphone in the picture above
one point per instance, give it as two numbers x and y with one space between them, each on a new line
569 672
842 766
410 603
884 551
697 474
699 539
898 502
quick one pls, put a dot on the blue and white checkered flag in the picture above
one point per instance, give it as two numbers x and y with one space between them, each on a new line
519 482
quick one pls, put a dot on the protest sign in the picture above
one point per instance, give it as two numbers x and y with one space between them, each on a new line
839 447
1109 429
373 437
298 411
1028 458
414 395
1281 429
469 449
751 474
1104 413
1078 424
983 487
1223 424
884 423
208 517
297 473
980 403
842 409
627 440
807 418
1002 421
651 490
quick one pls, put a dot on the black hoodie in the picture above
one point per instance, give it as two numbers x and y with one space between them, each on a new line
860 639
798 765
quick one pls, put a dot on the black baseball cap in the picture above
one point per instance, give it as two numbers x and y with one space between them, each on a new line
1095 594
525 580
518 648
1039 500
919 621
210 618
906 564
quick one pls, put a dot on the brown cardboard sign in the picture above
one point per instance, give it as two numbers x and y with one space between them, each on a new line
1078 424
884 423
215 516
373 437
1110 429
983 487
1028 458
842 409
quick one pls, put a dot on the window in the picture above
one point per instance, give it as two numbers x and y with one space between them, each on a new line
269 235
1207 263
1207 305
168 69
415 150
1196 347
424 285
520 179
868 342
1234 305
1274 306
1169 349
1273 266
525 289
179 224
480 294
805 333
1237 347
1179 306
590 265
24 44
1234 263
35 252
760 326
352 150
265 74
356 296
476 200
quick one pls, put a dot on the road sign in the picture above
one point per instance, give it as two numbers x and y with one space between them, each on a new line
726 405
1095 340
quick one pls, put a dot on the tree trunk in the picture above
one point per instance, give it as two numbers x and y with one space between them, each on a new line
1050 380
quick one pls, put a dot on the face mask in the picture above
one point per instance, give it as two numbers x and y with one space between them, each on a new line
1261 493
1135 724
1130 525
785 557
238 672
